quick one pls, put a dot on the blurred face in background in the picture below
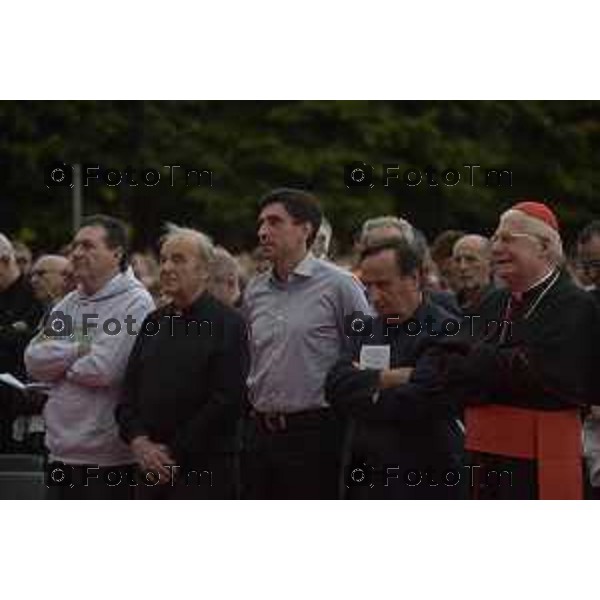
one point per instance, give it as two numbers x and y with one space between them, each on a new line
472 263
51 278
225 277
23 256
588 255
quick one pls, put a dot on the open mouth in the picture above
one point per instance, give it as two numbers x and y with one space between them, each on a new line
502 263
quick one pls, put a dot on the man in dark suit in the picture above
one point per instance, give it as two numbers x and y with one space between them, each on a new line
404 439
185 382
20 313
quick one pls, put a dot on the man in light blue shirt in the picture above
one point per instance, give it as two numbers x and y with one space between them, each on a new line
300 314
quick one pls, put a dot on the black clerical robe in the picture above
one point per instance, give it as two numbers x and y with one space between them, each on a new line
526 382
404 442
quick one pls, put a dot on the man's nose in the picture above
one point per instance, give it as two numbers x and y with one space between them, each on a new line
374 294
263 231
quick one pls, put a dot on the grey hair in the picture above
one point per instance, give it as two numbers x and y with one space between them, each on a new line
485 243
402 225
541 230
205 244
6 248
223 264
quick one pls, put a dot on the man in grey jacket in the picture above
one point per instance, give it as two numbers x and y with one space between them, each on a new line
82 352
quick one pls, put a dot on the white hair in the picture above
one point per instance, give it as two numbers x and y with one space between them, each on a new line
6 248
542 230
402 225
224 264
205 244
484 243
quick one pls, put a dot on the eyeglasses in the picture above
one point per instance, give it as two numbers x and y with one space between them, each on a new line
508 238
42 272
590 265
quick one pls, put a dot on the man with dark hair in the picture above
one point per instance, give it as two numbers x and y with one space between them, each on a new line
296 313
20 313
116 236
389 228
404 438
302 206
83 352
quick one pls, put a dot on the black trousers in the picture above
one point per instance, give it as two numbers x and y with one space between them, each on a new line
299 461
214 477
88 482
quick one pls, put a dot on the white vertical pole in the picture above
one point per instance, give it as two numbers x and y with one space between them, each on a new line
77 197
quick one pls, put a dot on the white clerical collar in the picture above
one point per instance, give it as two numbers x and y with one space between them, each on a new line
540 281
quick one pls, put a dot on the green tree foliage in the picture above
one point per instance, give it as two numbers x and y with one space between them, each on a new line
551 148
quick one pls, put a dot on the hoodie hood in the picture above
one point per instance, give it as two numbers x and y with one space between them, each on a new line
120 284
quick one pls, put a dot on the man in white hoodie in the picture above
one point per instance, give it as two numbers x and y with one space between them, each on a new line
82 353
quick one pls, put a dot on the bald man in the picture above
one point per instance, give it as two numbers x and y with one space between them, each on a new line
472 259
51 278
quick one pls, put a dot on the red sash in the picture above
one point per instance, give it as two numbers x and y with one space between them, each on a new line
553 439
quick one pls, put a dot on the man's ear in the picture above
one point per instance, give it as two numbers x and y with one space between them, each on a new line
545 247
419 278
119 253
308 229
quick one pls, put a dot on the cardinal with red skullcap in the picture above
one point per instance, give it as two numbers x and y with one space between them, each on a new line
526 366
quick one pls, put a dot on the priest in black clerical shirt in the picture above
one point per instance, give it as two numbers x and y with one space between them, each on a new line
184 387
404 439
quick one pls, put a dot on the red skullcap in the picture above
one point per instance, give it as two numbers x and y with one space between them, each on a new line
537 210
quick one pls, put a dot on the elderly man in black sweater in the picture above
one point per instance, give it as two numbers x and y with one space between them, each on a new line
185 382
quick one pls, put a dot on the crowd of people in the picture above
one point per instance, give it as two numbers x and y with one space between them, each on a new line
461 368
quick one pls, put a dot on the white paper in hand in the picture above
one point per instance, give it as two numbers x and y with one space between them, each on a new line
375 357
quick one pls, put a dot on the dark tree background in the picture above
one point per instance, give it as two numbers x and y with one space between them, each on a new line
552 149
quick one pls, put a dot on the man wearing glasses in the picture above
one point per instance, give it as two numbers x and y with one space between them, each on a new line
588 256
527 377
51 278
